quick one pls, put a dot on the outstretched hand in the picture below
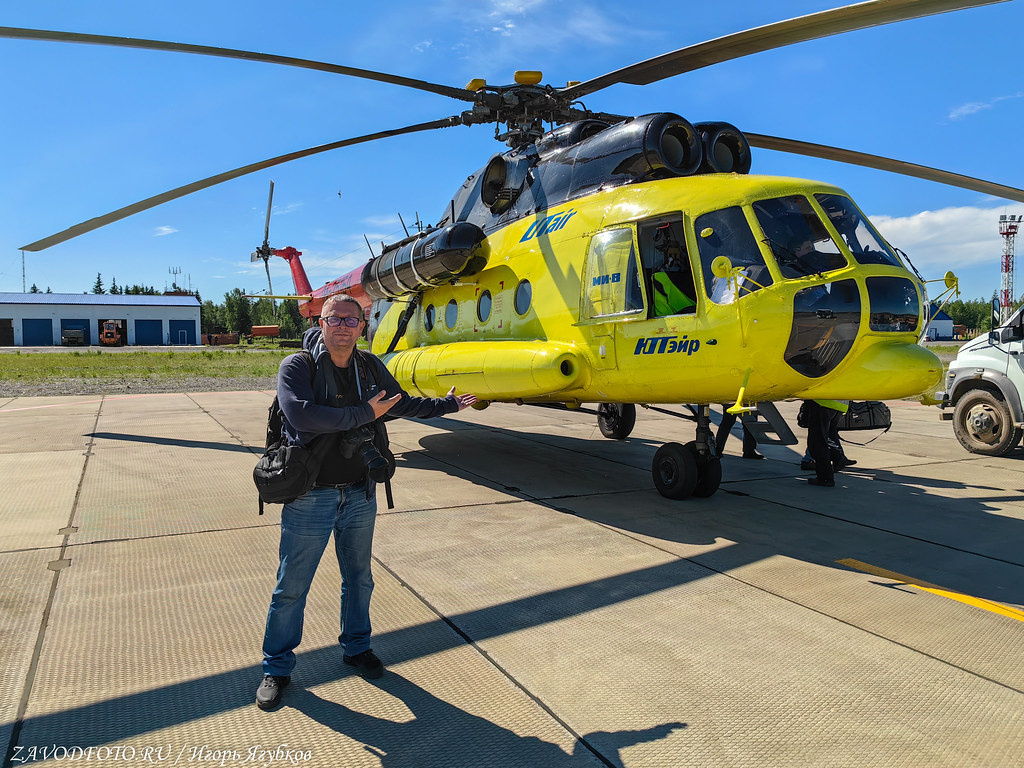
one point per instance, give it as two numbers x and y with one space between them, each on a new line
464 401
380 405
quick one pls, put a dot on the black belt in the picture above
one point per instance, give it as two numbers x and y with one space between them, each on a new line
341 486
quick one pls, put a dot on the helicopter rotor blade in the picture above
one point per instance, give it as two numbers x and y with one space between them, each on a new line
884 164
266 227
152 202
811 27
232 53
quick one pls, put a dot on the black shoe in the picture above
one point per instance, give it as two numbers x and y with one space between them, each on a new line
268 695
843 464
822 483
807 465
754 455
366 663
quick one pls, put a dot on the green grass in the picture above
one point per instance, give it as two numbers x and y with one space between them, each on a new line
944 349
97 364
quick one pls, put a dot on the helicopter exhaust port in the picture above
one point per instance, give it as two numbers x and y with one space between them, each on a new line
426 260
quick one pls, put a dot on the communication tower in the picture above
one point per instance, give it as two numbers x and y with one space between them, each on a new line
1008 226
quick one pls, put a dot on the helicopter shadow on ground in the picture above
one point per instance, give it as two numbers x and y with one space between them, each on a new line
441 734
940 530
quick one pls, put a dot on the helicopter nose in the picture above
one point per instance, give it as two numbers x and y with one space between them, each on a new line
884 371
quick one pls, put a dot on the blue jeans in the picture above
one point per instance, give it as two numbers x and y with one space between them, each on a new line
306 526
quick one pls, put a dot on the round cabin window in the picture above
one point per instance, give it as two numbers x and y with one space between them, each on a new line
524 296
483 306
451 314
428 318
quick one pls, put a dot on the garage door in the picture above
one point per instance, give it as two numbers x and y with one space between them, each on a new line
77 325
149 332
183 332
37 333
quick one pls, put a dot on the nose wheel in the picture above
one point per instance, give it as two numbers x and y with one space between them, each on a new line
694 469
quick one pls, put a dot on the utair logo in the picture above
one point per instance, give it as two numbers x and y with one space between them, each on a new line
547 225
661 345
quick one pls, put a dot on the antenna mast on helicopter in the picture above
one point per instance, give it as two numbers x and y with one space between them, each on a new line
1008 226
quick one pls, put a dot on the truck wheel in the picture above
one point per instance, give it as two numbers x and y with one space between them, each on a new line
616 420
983 424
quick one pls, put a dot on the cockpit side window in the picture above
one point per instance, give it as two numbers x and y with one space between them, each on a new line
861 238
798 239
611 281
727 233
666 266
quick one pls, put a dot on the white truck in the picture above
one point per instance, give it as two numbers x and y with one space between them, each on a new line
984 386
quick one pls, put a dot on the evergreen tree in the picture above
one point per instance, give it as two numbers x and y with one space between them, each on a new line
98 286
237 314
114 289
292 323
34 289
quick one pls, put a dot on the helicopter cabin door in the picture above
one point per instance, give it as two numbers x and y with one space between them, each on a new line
612 291
651 341
640 283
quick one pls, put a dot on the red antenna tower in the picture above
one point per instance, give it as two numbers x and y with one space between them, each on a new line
1008 226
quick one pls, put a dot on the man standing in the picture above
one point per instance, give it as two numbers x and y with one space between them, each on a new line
346 389
822 425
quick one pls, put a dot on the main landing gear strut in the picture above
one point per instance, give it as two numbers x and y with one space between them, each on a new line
680 471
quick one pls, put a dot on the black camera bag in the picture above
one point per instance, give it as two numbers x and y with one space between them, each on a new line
285 472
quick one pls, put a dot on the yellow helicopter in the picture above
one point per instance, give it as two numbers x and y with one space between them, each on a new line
617 260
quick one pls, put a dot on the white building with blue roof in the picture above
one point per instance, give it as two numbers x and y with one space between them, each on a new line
52 319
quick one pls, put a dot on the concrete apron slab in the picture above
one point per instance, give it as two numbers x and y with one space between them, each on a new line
805 563
532 589
156 644
26 587
623 639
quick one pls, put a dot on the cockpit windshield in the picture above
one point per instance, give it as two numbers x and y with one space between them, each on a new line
861 238
798 239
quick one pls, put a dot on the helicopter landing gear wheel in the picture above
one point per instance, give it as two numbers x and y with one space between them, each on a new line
675 471
709 472
616 420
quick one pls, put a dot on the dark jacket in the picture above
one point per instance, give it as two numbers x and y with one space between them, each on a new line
305 403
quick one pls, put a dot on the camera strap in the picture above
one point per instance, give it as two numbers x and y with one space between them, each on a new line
359 391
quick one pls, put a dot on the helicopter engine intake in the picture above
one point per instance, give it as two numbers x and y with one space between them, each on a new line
726 149
426 260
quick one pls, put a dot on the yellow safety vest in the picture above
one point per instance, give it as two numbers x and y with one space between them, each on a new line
668 299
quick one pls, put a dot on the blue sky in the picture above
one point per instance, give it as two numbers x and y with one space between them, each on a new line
88 129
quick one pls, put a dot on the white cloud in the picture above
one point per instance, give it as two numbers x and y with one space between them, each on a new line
973 107
506 32
161 231
512 7
389 220
965 240
421 46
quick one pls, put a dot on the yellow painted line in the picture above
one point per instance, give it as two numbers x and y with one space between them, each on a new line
977 602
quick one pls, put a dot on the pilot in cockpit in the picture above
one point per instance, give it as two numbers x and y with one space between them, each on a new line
672 284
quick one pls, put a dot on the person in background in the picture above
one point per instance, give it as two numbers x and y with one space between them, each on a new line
749 441
823 446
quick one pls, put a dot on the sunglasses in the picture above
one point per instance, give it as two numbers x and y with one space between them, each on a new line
351 322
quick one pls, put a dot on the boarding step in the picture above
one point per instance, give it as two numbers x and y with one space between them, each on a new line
771 428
